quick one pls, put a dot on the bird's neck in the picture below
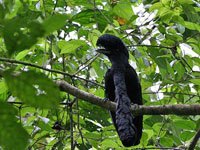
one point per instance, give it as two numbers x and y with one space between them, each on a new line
119 62
119 66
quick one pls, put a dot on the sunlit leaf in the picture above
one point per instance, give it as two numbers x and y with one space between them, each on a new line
166 141
186 1
185 124
123 10
22 54
195 81
187 135
70 46
192 26
3 87
108 143
155 6
54 23
92 135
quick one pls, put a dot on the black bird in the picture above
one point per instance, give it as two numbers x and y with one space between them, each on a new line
123 87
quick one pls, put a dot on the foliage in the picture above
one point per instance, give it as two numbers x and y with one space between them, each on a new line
163 38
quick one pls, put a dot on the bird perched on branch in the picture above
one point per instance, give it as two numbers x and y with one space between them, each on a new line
123 87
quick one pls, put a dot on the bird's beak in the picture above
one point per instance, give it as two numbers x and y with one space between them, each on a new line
103 51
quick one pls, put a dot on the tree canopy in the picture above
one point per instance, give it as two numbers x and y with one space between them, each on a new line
52 80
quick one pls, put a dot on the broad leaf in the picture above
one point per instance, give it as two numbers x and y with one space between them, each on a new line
20 35
185 124
12 135
166 141
196 81
123 10
33 88
3 87
22 54
54 23
70 46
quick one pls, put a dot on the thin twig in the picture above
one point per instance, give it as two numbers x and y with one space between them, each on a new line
156 148
71 127
78 115
87 63
159 133
142 45
171 93
46 69
194 141
54 8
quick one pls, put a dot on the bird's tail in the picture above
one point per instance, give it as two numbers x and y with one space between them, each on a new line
124 120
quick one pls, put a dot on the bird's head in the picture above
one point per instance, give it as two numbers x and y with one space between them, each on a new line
111 45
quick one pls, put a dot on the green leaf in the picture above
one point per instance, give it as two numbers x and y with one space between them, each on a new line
12 136
83 146
92 135
2 12
195 81
78 3
156 129
89 16
33 88
93 36
165 141
185 124
109 143
144 139
70 46
191 13
180 70
54 23
186 1
186 135
3 87
149 133
181 28
156 6
44 126
178 19
84 17
123 10
20 35
191 26
22 54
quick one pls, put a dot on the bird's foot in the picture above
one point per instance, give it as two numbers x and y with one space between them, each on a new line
135 106
106 99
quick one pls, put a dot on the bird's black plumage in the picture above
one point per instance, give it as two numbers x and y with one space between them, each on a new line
123 87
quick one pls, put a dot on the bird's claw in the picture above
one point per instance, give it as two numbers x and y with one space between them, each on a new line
135 106
106 99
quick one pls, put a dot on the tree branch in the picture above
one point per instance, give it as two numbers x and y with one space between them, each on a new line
179 109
